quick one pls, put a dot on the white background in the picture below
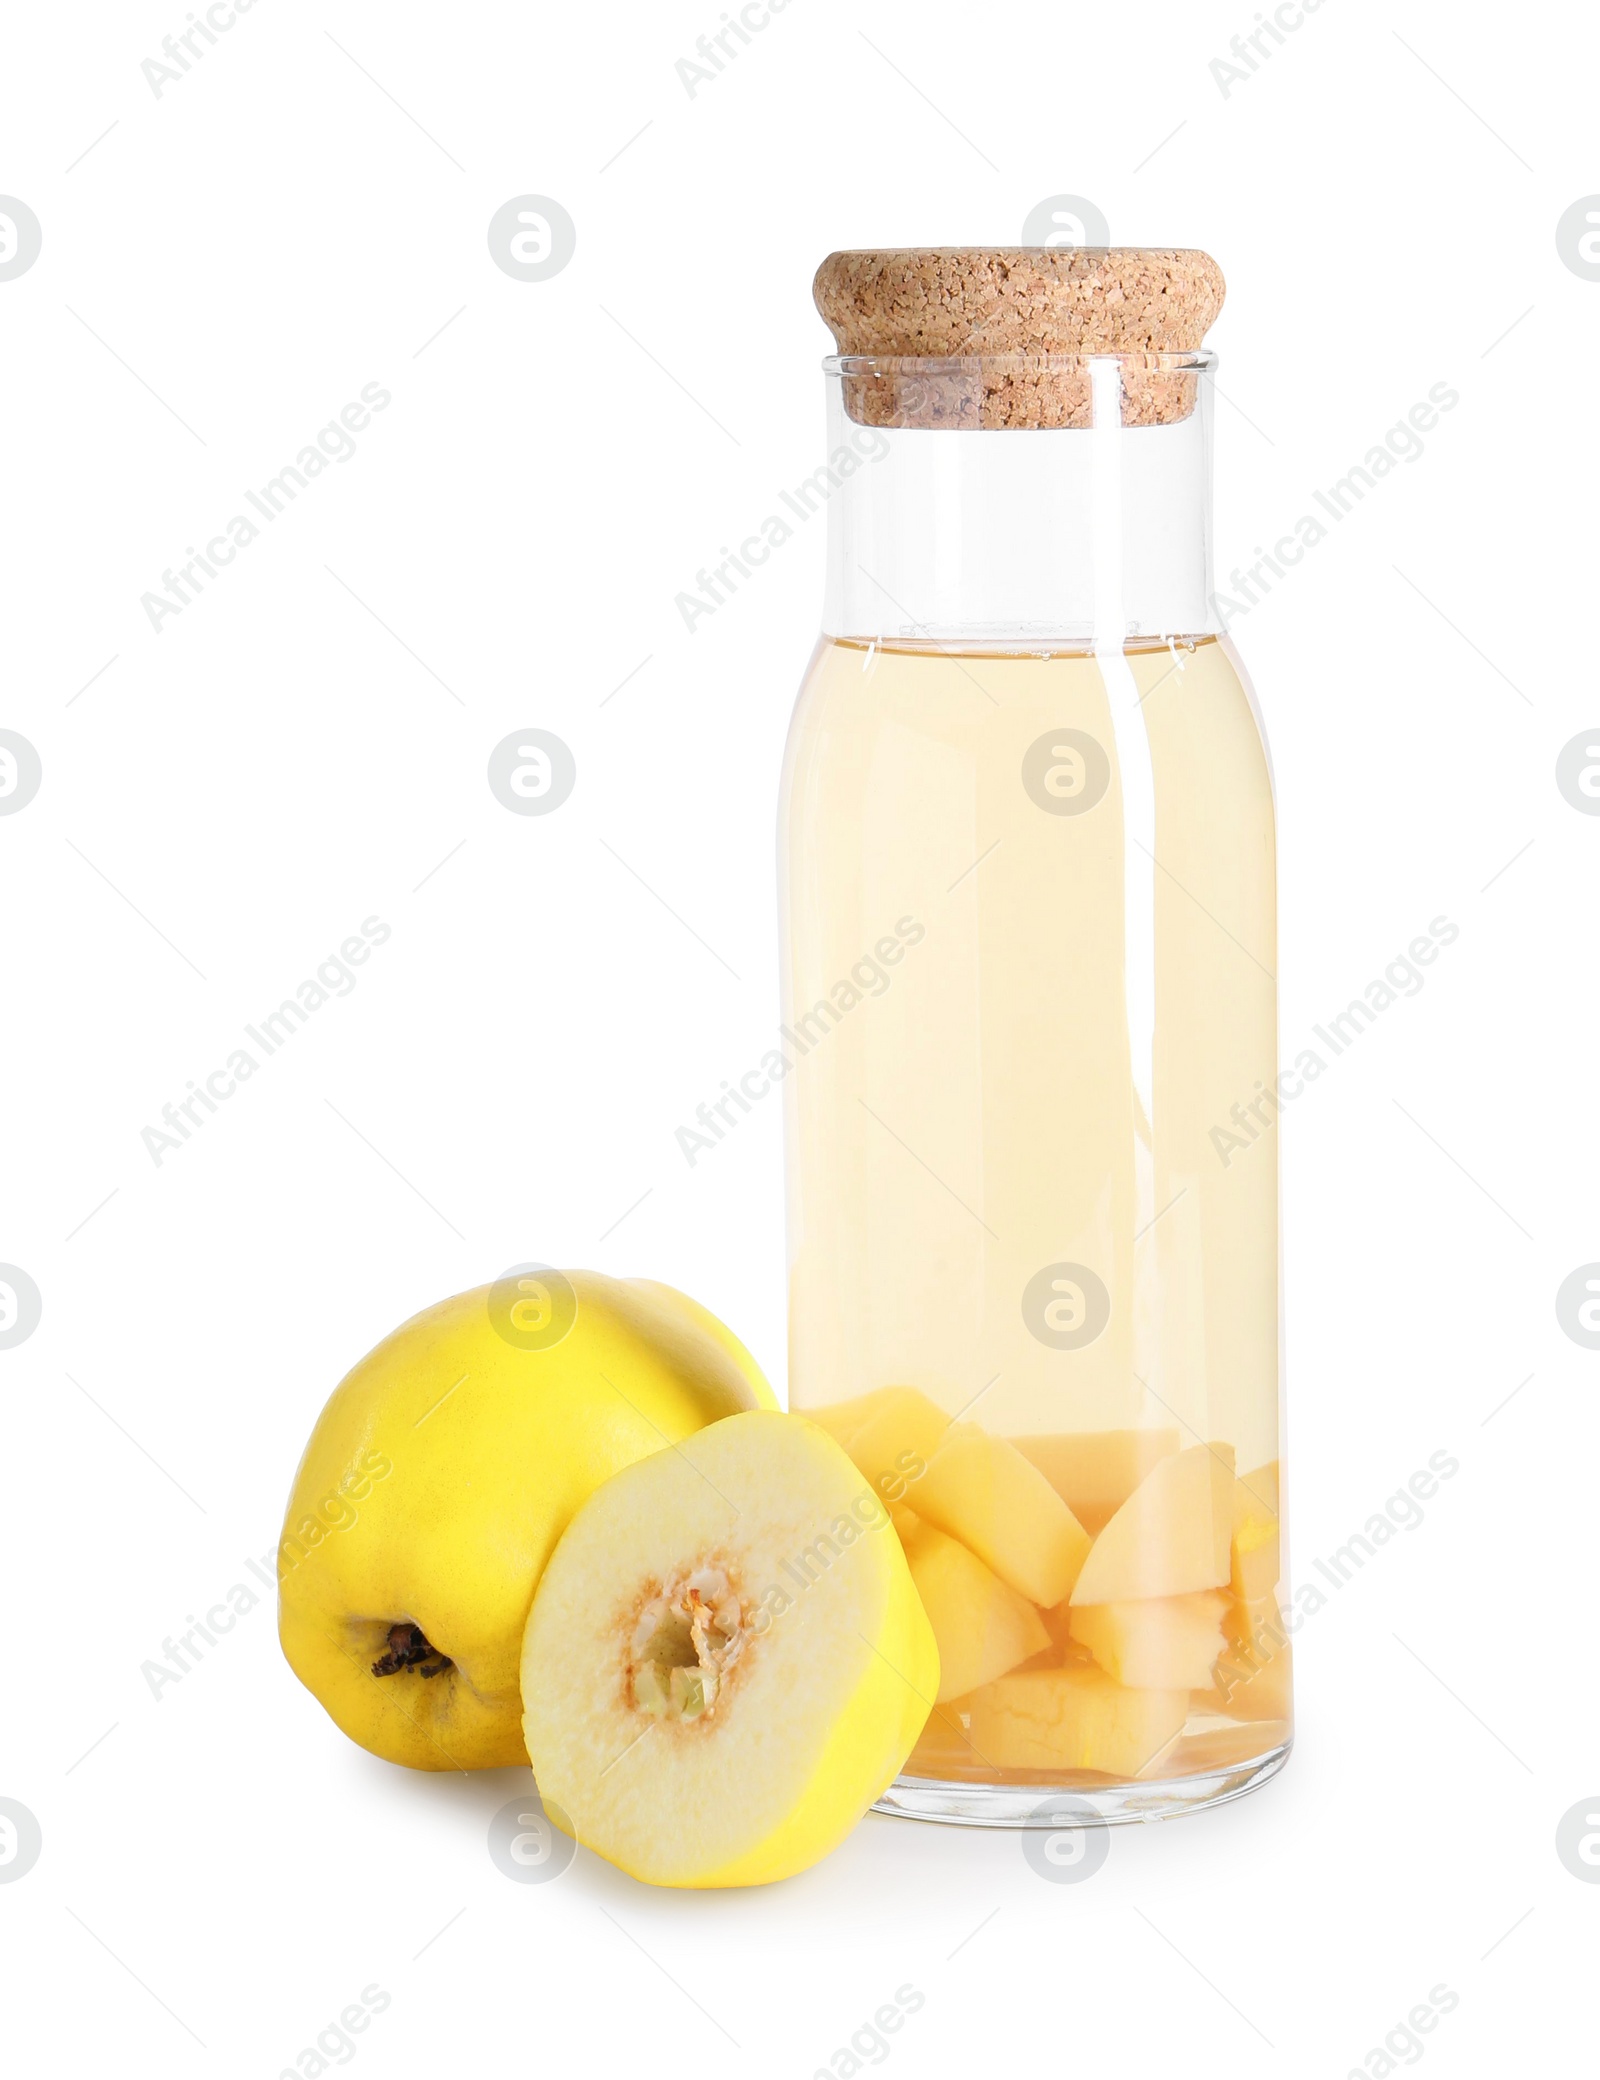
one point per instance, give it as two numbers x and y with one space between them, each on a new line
224 802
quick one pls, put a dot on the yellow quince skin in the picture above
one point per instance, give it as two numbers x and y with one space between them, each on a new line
440 1476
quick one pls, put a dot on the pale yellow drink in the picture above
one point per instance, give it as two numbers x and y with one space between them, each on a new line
1033 1160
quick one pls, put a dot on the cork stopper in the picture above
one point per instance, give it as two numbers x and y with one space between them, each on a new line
1011 324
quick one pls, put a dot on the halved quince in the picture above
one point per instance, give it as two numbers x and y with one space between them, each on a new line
726 1661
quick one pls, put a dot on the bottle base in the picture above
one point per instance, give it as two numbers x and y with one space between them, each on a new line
1093 1802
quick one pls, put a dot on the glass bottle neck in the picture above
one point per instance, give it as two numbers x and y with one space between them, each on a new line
1088 535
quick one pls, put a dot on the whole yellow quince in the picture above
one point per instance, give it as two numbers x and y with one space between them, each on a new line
444 1469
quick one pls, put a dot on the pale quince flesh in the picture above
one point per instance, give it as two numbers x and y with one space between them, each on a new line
726 1661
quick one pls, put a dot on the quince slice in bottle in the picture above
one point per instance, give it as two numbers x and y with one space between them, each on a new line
1171 1537
982 1491
983 1627
1154 1642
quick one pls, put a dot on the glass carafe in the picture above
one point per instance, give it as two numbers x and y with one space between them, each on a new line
1027 856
